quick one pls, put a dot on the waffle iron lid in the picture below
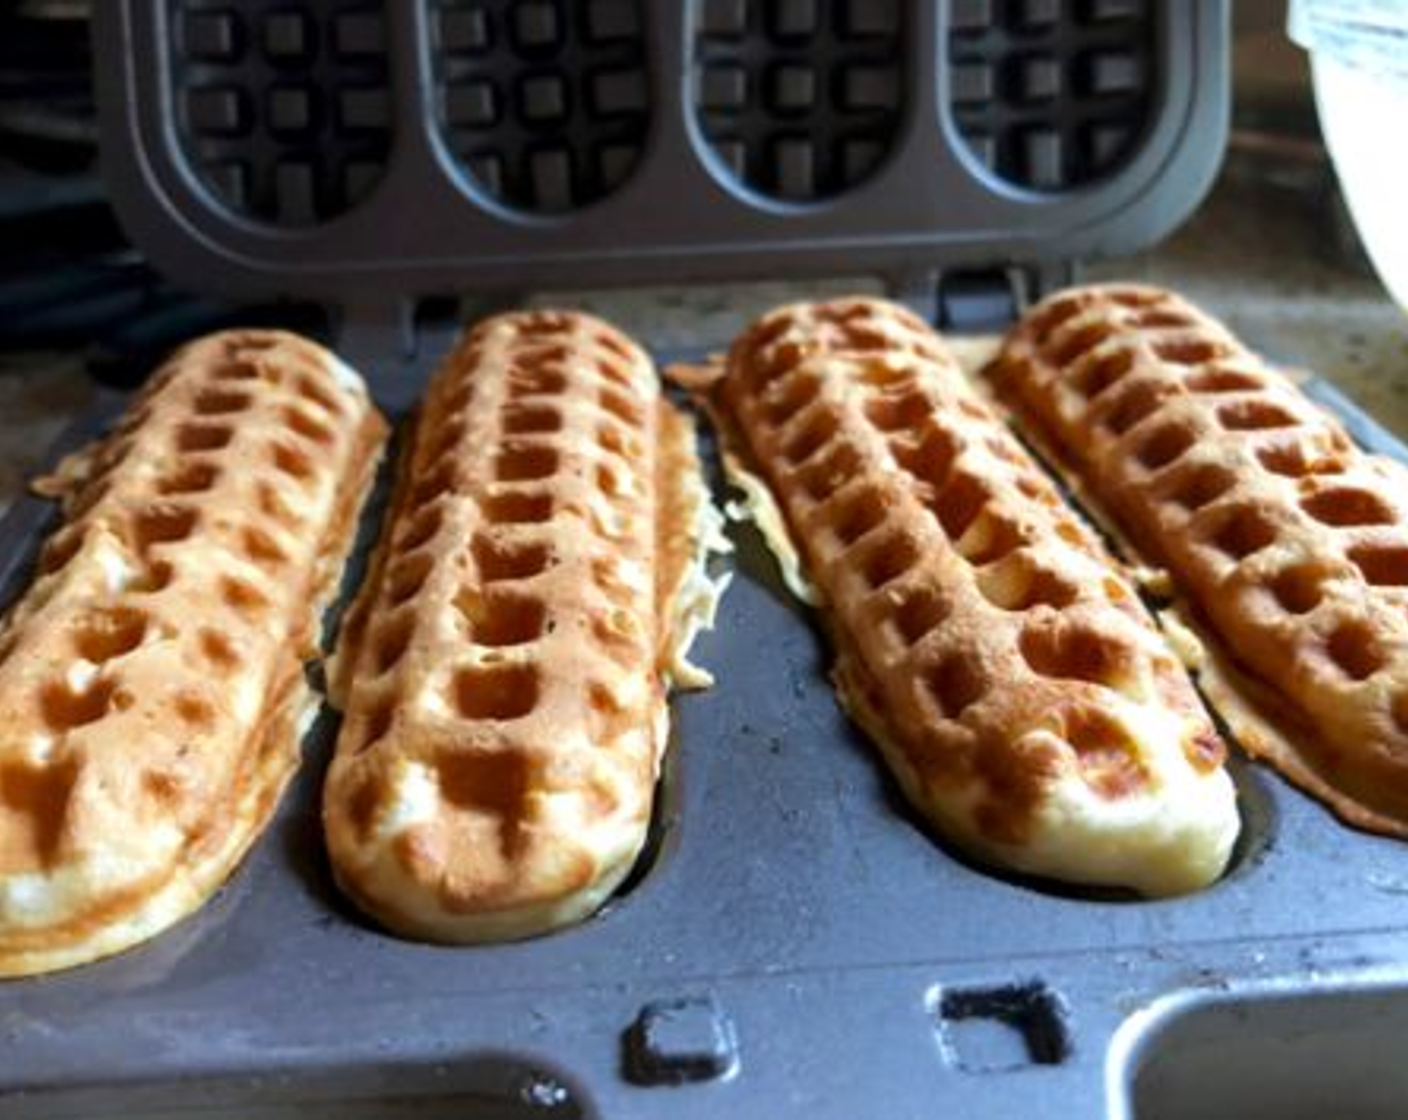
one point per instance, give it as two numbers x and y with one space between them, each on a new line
362 152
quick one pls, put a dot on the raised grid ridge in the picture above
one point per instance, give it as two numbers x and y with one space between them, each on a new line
1052 96
283 108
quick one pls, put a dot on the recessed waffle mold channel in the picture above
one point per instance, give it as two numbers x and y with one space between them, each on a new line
1053 94
544 104
799 100
363 154
282 109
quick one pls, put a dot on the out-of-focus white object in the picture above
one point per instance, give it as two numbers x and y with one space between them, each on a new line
1359 66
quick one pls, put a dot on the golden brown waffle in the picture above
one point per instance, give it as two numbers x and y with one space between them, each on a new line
504 674
1010 676
1290 542
151 678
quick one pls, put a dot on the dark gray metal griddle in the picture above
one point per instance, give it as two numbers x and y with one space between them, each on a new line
793 942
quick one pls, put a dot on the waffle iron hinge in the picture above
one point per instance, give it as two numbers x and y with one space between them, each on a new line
979 300
392 339
377 337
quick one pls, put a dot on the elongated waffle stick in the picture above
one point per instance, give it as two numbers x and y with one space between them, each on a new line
1289 542
505 669
1008 673
151 678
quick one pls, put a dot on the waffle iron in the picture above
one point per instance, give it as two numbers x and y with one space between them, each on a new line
793 942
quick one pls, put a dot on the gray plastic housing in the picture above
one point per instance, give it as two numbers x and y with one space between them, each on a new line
361 152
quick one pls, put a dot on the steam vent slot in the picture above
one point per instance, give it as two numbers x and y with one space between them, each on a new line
1052 96
544 103
800 101
283 108
990 1030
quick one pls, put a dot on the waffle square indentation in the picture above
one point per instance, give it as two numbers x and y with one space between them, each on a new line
284 106
545 103
1052 96
799 99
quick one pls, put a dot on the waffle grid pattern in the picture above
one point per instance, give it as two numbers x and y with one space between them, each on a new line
1291 540
544 103
283 108
800 100
167 614
1048 95
979 607
510 644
